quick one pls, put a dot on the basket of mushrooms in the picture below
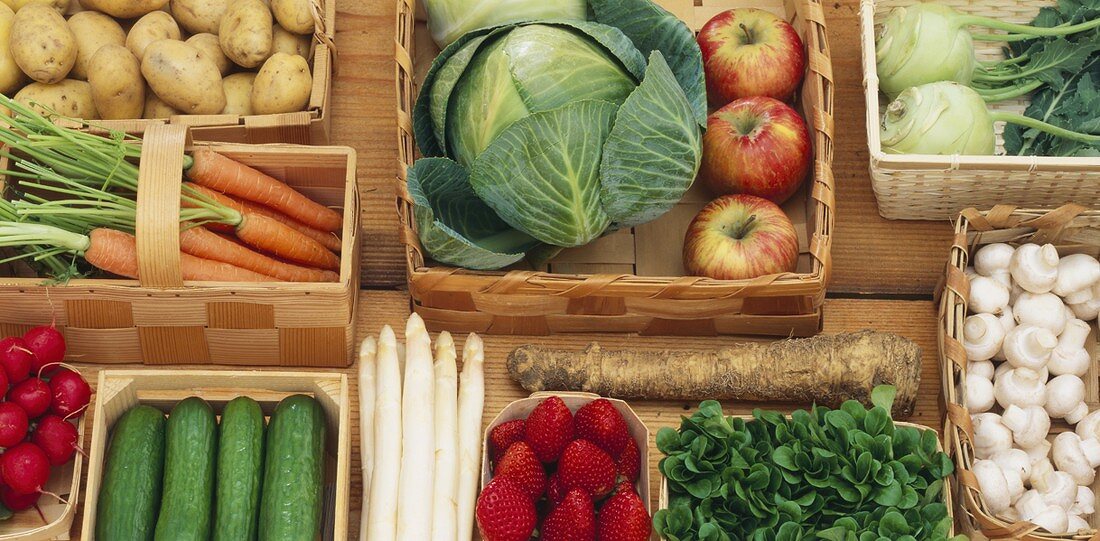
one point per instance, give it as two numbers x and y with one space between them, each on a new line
1018 346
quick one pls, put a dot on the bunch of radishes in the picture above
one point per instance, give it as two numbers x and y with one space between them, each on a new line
42 399
1030 309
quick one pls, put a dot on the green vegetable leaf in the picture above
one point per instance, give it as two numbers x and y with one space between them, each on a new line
5 513
454 225
883 396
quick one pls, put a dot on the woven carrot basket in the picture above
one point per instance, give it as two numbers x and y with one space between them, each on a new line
633 280
925 187
309 127
162 320
1073 230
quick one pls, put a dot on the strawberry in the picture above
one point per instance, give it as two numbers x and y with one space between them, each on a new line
503 436
623 518
629 464
599 422
504 512
585 466
572 520
555 493
549 429
520 465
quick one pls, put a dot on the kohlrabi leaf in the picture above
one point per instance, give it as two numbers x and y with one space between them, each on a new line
653 152
652 28
454 226
542 174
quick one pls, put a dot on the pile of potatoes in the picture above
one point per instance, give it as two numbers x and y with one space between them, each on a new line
130 59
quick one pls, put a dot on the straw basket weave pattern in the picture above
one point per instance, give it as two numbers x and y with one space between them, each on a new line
925 187
1073 230
162 320
536 302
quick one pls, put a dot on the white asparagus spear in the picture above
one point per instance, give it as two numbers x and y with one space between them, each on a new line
382 522
471 402
368 352
414 494
444 503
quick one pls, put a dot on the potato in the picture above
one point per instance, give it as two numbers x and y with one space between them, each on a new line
245 33
42 44
291 43
11 77
208 45
124 9
294 15
183 77
60 5
69 97
117 87
199 16
283 85
238 93
155 108
92 30
152 27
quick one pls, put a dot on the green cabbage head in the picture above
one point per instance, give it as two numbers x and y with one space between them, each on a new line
448 20
554 132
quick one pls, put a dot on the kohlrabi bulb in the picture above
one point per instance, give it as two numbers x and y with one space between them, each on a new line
938 118
923 43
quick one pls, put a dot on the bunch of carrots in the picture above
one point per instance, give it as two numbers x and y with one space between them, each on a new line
77 196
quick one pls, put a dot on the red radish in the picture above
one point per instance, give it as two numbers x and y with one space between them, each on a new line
56 437
13 424
25 468
70 392
33 395
47 344
16 501
15 358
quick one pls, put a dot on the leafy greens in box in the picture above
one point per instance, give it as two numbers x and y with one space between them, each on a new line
848 474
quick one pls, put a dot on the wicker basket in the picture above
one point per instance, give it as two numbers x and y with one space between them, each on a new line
1073 230
120 390
663 496
633 281
161 320
925 187
309 127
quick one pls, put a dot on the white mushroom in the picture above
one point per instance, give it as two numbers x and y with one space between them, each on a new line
1029 346
1042 310
1022 387
1086 311
1085 504
983 369
1066 398
1053 519
1015 460
993 260
1029 425
987 296
979 394
999 487
982 336
1076 524
1076 272
1057 488
1078 297
1077 457
1014 292
990 435
1044 374
1069 356
1089 427
1034 267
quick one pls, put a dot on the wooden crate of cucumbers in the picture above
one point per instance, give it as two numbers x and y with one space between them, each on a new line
126 64
1019 351
120 390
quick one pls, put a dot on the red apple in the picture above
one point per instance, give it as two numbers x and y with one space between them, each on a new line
750 52
757 146
740 237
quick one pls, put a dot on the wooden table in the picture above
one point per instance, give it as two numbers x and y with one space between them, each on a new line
884 271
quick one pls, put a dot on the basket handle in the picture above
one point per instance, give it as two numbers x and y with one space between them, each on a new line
160 178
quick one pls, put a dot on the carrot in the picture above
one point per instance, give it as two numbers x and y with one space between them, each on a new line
225 175
328 240
273 237
200 242
116 252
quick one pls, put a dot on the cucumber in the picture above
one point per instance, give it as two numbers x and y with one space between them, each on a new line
294 471
191 443
130 491
240 470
